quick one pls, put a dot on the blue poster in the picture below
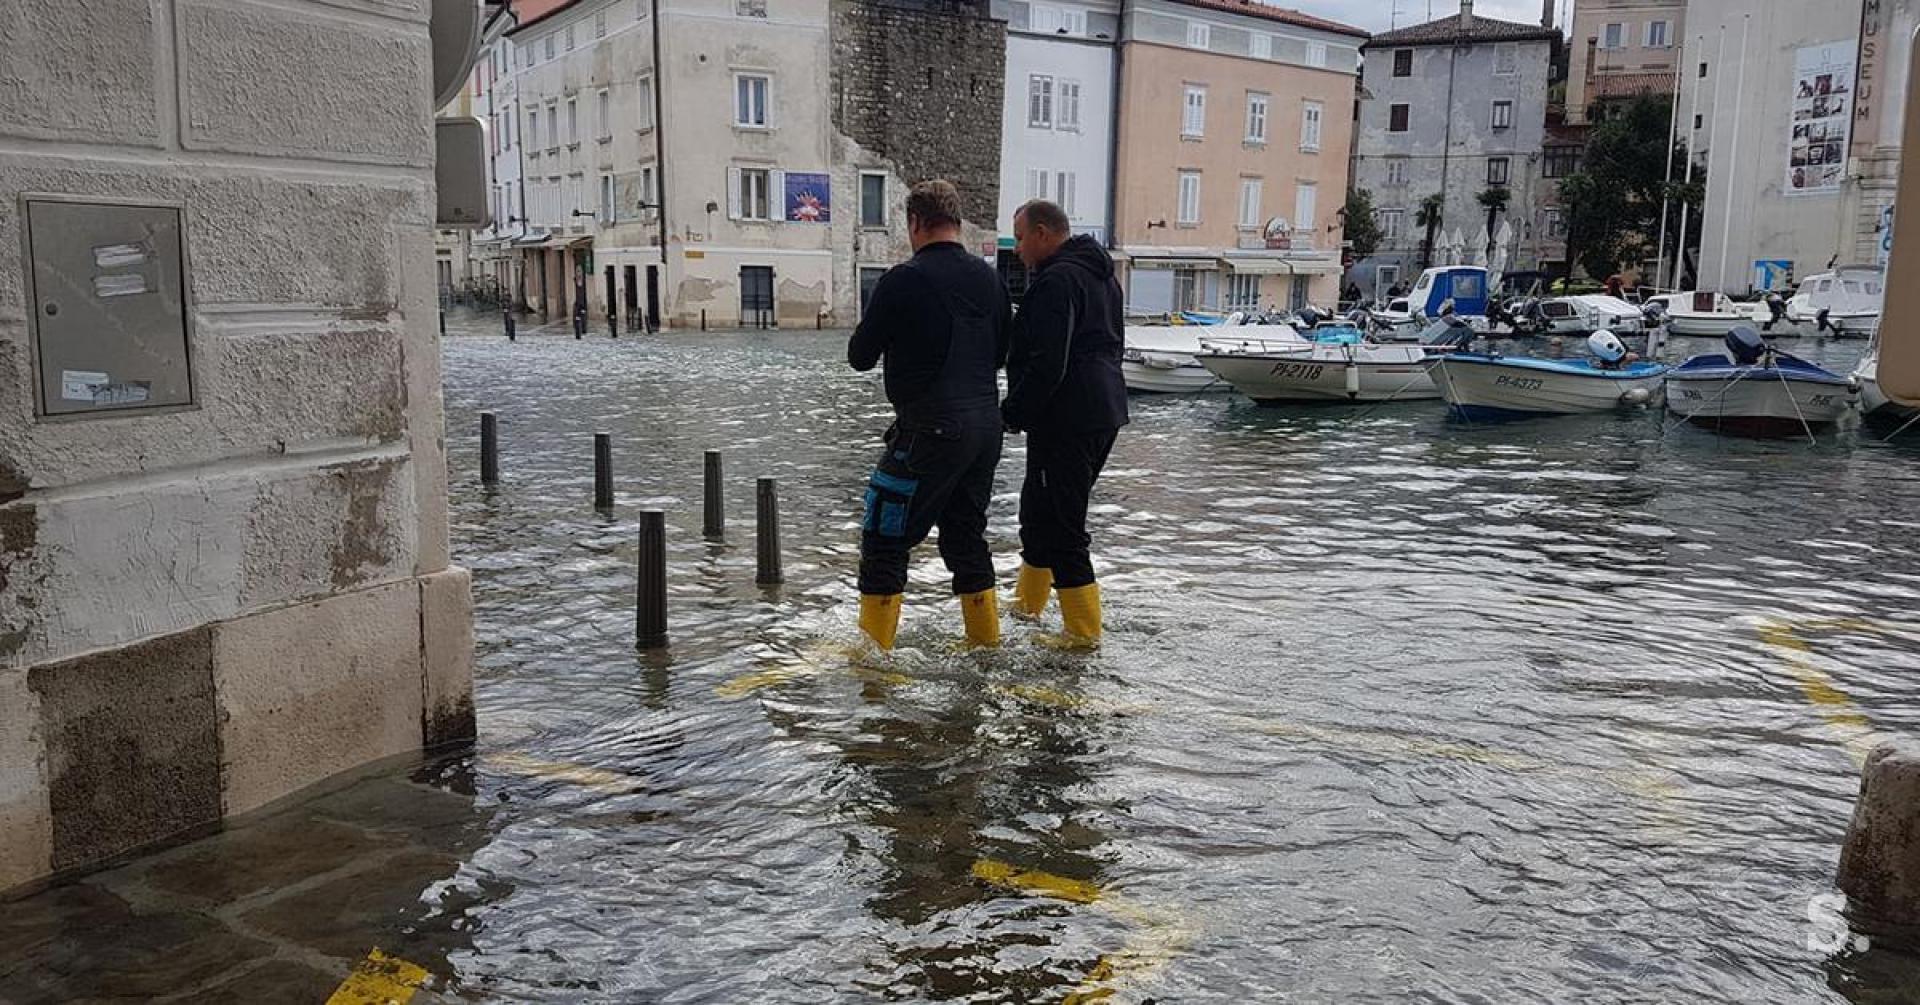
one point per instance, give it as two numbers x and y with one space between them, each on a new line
809 198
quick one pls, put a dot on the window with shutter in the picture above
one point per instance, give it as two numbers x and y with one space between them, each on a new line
1194 118
1256 117
1249 203
1310 115
1040 102
1189 204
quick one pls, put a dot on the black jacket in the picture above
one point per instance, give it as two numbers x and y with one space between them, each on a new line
942 321
1064 370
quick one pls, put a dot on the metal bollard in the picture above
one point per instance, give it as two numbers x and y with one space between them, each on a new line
489 449
650 600
443 322
602 471
766 510
716 509
703 319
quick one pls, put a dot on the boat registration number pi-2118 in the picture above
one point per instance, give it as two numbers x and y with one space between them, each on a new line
1520 383
1303 371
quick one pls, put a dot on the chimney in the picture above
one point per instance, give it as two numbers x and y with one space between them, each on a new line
1466 11
1546 14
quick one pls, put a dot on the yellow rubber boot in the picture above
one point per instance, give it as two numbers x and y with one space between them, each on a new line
1080 616
981 612
880 617
1030 593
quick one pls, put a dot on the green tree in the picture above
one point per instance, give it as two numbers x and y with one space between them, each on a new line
1612 204
1495 199
1429 215
1362 230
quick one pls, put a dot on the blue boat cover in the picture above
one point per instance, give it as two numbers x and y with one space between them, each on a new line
1715 366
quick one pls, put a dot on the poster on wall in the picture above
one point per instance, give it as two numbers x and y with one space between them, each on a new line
809 198
1822 115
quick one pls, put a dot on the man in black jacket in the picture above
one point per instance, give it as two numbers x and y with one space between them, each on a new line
941 321
1066 393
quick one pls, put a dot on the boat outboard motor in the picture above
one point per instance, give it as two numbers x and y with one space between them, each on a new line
1607 348
1235 319
1309 316
1746 345
1777 308
1821 317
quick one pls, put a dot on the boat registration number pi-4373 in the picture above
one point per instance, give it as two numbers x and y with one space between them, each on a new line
1303 371
1521 383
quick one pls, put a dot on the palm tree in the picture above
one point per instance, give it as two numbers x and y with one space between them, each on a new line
1495 200
1428 216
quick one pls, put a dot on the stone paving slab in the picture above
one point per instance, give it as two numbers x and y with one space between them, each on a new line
98 948
257 860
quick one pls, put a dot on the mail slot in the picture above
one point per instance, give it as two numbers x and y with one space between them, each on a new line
107 284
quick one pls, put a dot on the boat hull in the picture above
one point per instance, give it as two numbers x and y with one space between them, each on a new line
1837 326
1874 403
1322 376
1184 378
1492 389
1705 325
1765 404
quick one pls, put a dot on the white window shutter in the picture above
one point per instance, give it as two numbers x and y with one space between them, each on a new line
776 195
733 193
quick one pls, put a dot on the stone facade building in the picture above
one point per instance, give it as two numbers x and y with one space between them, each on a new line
1453 108
224 569
756 177
1233 150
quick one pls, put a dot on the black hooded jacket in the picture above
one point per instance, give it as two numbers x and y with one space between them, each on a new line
1063 373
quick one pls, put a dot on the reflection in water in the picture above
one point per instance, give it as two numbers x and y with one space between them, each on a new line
959 777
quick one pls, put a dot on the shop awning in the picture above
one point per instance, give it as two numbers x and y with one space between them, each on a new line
1259 266
1315 266
1142 262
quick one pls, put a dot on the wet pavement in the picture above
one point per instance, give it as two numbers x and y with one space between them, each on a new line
1391 709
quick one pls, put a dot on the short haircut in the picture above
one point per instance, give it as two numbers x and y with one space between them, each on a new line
1048 215
935 203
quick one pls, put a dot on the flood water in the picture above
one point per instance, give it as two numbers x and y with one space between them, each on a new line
1390 709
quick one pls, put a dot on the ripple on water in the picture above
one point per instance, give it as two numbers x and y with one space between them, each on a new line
1391 709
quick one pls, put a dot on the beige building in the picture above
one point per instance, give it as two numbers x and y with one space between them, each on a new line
1620 49
1235 127
224 569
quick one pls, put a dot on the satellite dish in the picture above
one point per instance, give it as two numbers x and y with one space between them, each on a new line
1277 227
455 31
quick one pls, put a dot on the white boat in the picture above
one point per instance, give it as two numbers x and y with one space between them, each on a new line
1578 315
1844 303
1484 387
1874 403
1757 391
1158 359
1703 313
1286 373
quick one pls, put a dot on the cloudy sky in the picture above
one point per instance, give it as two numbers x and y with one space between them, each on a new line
1378 15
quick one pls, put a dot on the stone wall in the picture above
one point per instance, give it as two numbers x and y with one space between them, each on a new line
205 608
920 84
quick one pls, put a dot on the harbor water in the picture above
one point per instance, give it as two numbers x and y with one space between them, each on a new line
1390 709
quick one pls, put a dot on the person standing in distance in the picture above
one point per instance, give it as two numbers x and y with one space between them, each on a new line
941 322
1065 392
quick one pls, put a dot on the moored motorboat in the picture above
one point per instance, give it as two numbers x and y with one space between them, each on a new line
1703 313
1283 373
1158 359
1844 303
1482 387
1756 391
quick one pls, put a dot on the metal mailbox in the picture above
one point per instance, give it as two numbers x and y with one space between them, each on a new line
107 289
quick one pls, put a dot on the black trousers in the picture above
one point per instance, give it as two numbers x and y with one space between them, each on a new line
1061 470
931 478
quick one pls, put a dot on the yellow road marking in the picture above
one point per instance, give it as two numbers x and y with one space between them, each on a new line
1028 881
380 980
581 775
1838 710
1157 937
